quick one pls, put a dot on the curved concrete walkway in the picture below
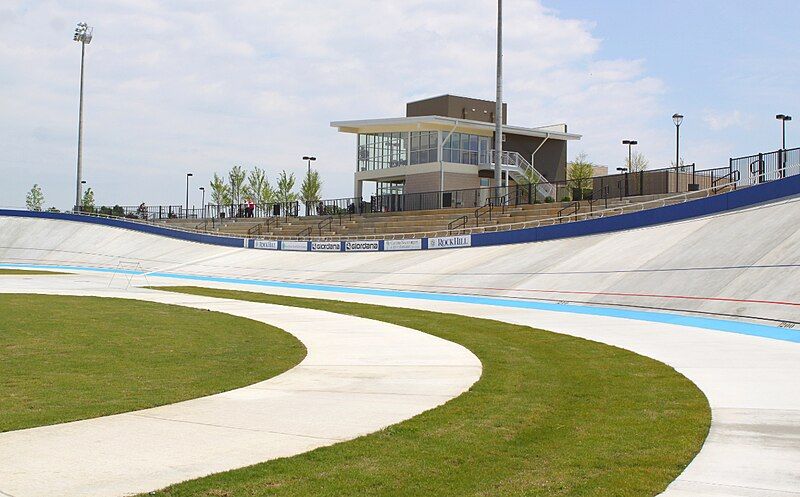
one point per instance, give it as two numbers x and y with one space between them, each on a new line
753 448
359 376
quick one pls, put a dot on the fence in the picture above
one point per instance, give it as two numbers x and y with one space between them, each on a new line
210 211
762 167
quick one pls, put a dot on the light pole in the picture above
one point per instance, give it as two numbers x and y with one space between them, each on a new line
498 104
623 170
203 202
83 35
783 118
677 119
309 159
188 175
630 143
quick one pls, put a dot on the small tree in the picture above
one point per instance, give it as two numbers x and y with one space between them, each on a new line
255 184
88 200
220 192
311 188
236 177
285 193
637 163
34 199
579 174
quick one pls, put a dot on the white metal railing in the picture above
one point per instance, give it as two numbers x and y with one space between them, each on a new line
513 162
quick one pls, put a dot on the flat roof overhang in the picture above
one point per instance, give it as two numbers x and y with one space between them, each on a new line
446 124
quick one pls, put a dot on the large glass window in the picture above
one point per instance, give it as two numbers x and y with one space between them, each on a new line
382 150
466 149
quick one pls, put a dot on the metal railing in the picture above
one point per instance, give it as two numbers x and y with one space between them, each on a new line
480 212
575 207
458 223
762 167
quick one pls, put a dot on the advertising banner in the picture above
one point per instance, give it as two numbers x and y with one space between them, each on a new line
326 246
450 241
266 244
409 244
362 246
294 245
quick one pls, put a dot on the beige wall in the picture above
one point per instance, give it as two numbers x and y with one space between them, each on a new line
429 182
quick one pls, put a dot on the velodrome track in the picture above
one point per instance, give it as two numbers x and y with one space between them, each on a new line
742 263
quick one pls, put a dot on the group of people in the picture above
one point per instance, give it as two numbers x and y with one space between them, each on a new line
247 209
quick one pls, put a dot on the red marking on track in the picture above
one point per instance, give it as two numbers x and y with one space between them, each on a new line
567 292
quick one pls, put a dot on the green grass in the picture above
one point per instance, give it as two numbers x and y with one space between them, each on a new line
25 271
552 415
67 358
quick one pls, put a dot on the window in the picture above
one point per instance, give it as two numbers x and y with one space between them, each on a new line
464 148
384 150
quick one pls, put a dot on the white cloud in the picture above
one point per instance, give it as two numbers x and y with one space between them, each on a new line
717 121
185 86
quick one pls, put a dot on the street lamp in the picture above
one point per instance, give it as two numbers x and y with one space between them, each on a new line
188 175
783 118
623 170
629 143
677 119
83 35
203 202
309 159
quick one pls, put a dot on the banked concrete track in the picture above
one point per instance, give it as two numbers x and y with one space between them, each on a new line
742 265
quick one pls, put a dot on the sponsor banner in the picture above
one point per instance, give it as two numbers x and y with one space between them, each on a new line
409 244
294 245
326 246
450 241
362 246
265 244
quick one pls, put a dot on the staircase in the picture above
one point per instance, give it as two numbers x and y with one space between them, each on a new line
522 172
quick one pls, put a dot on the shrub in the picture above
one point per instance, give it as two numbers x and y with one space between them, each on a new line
548 200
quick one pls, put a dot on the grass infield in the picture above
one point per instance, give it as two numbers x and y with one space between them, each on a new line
68 358
18 272
552 415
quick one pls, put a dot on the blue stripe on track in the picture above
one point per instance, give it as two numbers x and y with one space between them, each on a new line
742 328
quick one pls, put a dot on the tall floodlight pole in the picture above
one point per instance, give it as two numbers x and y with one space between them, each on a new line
203 202
677 119
783 118
188 175
498 109
629 143
83 35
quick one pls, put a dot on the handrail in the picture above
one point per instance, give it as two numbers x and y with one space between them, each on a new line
327 222
734 176
574 206
460 221
483 211
604 192
305 232
255 230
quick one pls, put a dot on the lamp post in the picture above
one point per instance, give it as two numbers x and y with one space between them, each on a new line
203 202
783 118
83 35
677 119
630 143
188 175
623 170
309 159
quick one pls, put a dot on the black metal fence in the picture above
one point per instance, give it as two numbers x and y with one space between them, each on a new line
769 166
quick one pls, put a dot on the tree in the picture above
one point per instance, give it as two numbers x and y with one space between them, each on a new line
34 199
638 163
284 193
311 188
88 200
236 177
220 192
579 174
258 187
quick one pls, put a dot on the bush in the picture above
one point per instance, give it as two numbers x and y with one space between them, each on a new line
548 200
566 198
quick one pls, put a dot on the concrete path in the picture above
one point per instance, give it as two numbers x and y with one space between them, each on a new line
752 385
359 376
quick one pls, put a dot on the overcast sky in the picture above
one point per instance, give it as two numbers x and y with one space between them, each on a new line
197 86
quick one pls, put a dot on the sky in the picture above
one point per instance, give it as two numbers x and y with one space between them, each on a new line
198 86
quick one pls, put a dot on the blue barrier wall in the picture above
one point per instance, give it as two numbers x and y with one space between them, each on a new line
746 197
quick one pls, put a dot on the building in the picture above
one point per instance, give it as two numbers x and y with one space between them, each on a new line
446 143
